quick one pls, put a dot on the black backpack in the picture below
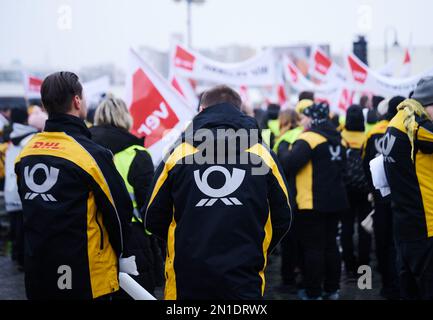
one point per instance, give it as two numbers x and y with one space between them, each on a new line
354 175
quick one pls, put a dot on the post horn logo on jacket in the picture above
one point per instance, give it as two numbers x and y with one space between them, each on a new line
220 220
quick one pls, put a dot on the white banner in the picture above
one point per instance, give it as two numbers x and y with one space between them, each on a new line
338 94
92 90
388 69
366 80
257 71
160 114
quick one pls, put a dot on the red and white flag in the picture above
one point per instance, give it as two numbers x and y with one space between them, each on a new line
320 64
32 86
159 113
407 64
185 89
366 80
323 68
338 94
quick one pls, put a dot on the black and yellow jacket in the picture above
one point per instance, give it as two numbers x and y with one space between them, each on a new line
373 148
353 139
77 212
410 179
315 164
220 220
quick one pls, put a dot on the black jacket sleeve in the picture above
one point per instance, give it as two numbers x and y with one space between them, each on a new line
159 212
294 159
278 198
140 176
116 206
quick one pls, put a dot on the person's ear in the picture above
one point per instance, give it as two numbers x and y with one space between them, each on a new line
200 109
76 102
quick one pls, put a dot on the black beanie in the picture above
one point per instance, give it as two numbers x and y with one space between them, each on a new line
318 112
376 100
392 106
19 115
273 111
355 118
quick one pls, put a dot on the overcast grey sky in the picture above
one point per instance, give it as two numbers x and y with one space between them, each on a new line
33 31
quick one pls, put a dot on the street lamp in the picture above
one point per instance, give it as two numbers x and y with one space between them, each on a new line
188 21
395 43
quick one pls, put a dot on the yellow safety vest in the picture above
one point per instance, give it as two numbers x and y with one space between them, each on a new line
274 125
289 136
266 136
123 161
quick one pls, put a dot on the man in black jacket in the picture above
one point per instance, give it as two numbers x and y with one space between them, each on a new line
316 162
77 211
222 204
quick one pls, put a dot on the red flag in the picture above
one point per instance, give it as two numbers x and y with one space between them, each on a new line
32 86
282 97
322 63
407 63
406 57
184 59
148 121
158 112
359 72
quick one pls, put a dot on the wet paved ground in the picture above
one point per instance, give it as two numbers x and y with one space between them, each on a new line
11 281
349 288
12 284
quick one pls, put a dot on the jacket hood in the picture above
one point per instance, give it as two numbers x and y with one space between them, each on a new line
113 138
223 115
329 132
20 132
226 117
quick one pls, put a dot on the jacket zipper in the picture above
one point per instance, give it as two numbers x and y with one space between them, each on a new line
101 245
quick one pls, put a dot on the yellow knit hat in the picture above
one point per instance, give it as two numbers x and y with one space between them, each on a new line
303 104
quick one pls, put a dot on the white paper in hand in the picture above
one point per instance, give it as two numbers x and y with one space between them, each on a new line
367 223
128 265
378 176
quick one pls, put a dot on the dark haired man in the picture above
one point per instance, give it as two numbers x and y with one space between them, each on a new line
221 218
76 207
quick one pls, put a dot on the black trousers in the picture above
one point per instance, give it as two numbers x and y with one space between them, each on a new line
139 244
359 210
385 249
16 236
289 257
321 261
416 269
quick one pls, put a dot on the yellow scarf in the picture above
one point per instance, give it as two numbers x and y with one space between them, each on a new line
411 109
